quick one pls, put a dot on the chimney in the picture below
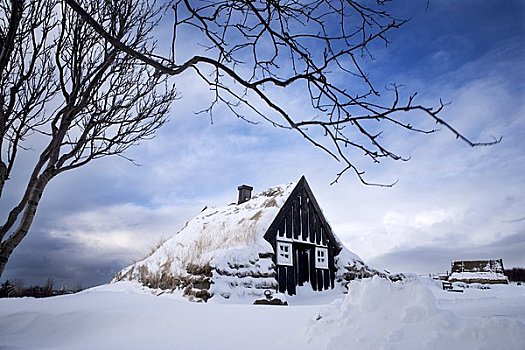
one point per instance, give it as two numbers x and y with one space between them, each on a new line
245 193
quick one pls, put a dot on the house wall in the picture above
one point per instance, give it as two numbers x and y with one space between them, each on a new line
495 266
301 224
478 271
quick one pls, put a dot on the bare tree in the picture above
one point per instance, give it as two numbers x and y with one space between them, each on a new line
19 286
63 86
49 287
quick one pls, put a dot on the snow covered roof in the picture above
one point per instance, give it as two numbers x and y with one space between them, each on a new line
232 232
478 271
477 276
494 265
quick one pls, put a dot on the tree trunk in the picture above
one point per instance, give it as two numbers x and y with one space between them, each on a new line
7 247
3 176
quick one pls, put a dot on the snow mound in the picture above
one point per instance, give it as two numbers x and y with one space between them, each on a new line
379 314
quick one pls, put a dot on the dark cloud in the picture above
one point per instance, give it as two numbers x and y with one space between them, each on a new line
437 258
65 260
515 220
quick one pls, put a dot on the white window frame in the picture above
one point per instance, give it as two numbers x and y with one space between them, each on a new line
321 258
284 253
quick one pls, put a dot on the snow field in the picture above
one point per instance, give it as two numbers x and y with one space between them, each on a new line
375 314
378 314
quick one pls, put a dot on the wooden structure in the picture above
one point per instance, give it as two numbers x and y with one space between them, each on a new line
446 285
495 266
478 271
245 193
304 244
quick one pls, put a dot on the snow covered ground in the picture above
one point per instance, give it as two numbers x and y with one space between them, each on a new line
375 314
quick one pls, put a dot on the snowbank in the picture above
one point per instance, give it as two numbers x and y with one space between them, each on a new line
376 314
379 314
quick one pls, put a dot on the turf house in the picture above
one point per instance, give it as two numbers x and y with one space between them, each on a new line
278 241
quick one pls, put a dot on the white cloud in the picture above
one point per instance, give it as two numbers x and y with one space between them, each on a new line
123 229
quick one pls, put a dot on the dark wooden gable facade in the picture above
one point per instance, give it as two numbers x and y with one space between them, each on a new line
303 242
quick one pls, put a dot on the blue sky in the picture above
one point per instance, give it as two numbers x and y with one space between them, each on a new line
451 201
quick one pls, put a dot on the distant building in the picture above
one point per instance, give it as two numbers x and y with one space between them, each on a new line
478 271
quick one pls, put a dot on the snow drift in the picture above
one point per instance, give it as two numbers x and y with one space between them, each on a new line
376 314
379 314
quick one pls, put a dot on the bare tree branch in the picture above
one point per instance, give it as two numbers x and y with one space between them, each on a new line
254 49
107 100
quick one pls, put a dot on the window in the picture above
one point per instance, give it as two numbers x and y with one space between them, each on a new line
284 253
321 258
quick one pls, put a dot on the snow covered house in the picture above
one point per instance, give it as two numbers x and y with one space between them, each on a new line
277 240
478 271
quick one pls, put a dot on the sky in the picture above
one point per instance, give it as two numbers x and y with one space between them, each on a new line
451 201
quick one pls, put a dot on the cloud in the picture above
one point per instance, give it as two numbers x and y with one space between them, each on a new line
451 201
426 259
448 193
89 246
124 226
65 260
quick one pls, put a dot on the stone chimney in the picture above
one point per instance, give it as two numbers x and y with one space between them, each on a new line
245 193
